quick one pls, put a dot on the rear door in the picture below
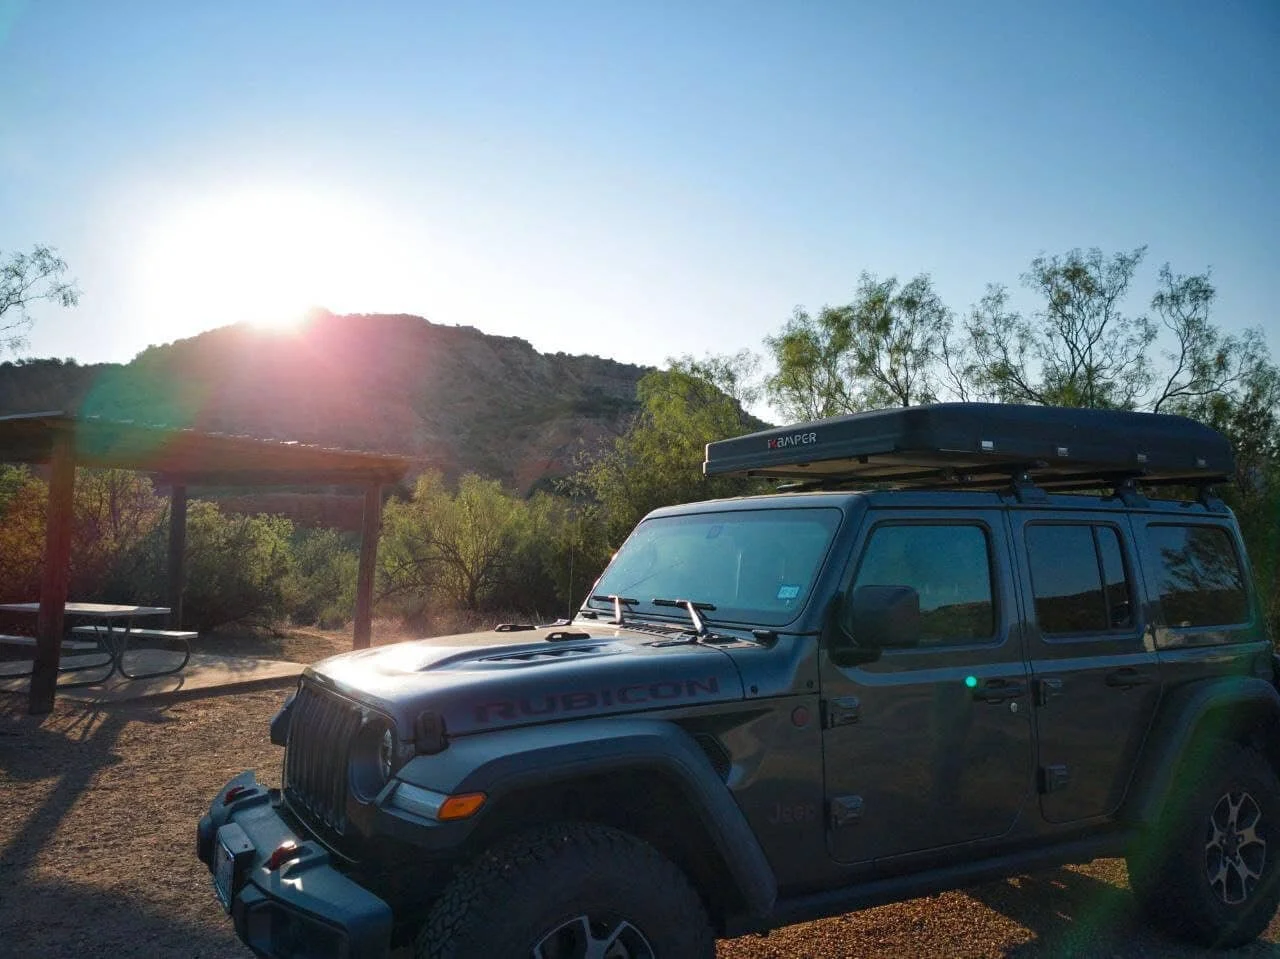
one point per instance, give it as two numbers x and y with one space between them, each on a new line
1094 669
929 747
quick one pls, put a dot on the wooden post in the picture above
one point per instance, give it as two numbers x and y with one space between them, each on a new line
53 580
368 556
177 553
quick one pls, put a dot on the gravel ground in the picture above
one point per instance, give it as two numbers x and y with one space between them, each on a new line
98 810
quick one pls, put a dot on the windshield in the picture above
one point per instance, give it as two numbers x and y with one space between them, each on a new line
754 566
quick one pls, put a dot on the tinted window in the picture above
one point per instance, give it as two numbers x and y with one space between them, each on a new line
1065 579
949 566
1198 576
1078 579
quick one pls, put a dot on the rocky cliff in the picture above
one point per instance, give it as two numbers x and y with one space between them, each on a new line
453 398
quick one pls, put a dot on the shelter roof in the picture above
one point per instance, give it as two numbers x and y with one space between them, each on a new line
188 457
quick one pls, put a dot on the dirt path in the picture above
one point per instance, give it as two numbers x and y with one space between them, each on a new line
98 811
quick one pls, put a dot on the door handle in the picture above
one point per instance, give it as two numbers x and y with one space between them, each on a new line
1128 677
998 691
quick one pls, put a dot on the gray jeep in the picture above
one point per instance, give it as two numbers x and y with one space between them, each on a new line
964 645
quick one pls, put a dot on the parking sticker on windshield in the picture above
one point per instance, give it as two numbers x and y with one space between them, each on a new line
788 592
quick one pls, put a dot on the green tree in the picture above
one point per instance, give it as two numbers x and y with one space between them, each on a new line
408 566
114 512
1079 345
1204 364
658 460
12 480
321 589
237 567
457 548
736 375
477 533
882 349
560 554
23 502
1079 348
25 279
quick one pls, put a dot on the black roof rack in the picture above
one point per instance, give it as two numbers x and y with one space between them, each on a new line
982 446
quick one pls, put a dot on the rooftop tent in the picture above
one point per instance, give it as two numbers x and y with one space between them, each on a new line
980 446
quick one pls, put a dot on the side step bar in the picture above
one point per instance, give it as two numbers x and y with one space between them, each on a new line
878 892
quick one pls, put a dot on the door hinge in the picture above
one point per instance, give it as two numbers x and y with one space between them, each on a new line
841 712
1054 778
845 810
1046 690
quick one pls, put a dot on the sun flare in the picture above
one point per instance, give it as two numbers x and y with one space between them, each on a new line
264 256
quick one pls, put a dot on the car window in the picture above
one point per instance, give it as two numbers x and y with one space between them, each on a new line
752 566
948 565
1197 575
1078 578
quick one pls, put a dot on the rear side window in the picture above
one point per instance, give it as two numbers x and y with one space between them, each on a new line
949 566
1197 574
1078 579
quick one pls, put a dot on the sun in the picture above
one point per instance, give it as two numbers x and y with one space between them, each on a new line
285 322
265 255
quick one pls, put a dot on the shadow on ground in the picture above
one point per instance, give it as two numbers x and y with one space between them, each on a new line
75 920
1072 914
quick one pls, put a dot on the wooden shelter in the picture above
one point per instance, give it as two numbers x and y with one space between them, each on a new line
179 458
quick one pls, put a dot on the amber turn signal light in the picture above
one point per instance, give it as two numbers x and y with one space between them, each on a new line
460 806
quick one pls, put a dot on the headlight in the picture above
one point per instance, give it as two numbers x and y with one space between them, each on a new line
429 804
372 759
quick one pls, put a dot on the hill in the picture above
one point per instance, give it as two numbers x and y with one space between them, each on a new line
452 398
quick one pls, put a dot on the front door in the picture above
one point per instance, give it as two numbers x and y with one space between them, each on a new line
931 746
1096 675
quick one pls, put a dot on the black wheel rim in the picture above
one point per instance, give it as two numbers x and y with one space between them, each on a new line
592 937
1235 853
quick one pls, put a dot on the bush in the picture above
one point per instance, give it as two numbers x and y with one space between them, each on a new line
482 549
321 590
237 568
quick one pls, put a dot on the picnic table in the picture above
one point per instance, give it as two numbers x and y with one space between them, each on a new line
112 626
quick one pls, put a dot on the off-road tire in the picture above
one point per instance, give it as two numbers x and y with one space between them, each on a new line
523 888
1178 876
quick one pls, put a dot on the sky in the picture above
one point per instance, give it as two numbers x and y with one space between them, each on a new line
633 180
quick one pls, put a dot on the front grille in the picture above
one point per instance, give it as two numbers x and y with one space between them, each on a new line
315 758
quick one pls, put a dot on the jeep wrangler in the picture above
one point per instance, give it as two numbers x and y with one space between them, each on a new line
963 645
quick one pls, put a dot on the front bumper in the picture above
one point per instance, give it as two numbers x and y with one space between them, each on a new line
303 909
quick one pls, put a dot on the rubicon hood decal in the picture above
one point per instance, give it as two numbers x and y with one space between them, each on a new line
636 695
492 682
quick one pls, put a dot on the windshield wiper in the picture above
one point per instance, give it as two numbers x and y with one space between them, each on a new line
692 607
618 603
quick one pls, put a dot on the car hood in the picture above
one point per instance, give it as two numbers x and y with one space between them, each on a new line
483 681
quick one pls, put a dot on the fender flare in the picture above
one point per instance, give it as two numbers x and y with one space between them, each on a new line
1181 719
500 762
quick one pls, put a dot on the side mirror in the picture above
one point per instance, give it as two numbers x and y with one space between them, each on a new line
881 617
